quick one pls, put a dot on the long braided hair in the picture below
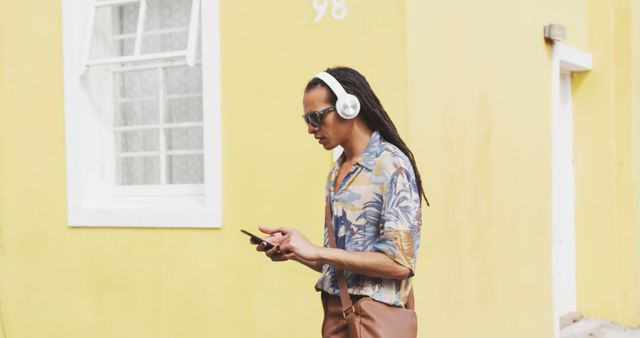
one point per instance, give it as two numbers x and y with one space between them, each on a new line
371 111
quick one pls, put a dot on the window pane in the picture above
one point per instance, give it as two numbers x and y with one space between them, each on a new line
163 14
183 138
166 25
138 170
185 169
137 84
139 112
114 31
136 140
166 42
183 80
183 109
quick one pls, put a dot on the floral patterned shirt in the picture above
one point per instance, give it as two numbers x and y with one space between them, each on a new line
376 209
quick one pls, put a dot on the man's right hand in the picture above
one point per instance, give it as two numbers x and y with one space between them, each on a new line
275 238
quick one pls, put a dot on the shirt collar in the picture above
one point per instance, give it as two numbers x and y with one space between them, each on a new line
368 157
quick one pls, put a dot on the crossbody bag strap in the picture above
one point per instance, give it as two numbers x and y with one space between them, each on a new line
347 304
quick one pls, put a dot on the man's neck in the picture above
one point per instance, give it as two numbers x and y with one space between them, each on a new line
357 143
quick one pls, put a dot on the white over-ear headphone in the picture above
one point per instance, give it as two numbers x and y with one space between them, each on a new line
347 106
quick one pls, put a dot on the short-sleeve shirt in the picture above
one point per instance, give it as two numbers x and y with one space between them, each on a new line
375 209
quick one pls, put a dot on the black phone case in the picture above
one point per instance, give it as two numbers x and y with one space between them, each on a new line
257 239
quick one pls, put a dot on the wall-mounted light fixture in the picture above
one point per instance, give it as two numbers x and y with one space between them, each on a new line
555 32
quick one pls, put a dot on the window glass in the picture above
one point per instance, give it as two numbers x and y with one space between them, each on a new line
146 111
138 170
114 31
166 27
185 169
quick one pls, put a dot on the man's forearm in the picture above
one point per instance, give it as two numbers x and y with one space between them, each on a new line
372 264
313 265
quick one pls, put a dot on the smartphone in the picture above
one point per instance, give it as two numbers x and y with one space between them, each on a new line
256 240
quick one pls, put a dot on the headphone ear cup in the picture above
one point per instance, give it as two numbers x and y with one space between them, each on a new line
348 107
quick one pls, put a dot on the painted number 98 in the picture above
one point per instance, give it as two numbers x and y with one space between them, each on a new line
338 9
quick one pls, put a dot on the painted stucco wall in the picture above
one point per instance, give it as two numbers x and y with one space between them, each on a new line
606 113
469 86
480 125
66 282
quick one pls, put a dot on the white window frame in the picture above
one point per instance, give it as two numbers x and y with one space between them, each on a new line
189 53
93 201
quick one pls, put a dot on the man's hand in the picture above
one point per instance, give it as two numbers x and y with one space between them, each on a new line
296 246
275 237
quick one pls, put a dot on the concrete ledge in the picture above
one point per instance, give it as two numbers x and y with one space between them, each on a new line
594 328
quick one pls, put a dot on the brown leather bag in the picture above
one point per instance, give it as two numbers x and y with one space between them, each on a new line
368 318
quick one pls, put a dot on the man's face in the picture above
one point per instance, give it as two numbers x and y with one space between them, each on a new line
333 129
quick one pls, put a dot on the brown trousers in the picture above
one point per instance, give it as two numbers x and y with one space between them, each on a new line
334 325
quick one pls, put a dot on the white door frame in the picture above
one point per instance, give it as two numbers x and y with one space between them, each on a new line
565 60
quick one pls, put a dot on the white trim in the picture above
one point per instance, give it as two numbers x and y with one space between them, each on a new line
88 33
158 126
142 15
164 64
108 138
138 58
563 190
163 214
192 44
157 153
161 93
210 23
572 59
154 190
565 59
184 152
92 198
150 33
139 154
135 99
182 96
114 3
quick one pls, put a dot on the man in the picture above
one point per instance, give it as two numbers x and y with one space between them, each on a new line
373 200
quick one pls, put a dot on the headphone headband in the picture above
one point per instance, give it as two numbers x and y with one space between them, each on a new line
347 105
332 83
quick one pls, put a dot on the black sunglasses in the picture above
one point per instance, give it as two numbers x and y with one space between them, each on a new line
314 118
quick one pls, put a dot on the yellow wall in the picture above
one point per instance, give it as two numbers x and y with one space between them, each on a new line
479 102
606 119
467 83
480 113
63 282
632 312
595 204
